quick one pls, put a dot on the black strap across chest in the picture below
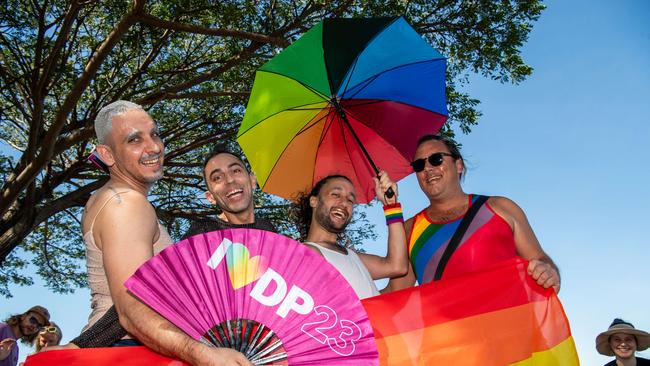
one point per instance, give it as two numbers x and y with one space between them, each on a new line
458 235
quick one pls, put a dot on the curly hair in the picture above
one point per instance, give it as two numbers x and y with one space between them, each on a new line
302 210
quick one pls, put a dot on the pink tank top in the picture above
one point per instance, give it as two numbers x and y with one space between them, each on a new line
488 240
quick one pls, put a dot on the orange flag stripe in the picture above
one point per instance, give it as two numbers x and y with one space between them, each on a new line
503 286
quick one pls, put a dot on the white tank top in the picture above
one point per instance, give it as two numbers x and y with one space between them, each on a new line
351 267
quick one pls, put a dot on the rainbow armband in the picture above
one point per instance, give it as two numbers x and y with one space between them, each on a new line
393 213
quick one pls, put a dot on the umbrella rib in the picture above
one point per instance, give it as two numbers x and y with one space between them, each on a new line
325 97
362 102
367 43
327 127
372 78
296 108
360 120
377 101
291 140
354 66
345 143
310 125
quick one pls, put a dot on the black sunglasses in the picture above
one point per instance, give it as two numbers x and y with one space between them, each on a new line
434 159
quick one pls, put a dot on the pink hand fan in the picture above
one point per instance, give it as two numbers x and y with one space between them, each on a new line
263 294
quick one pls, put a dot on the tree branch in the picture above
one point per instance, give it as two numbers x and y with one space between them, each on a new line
61 39
202 95
28 170
235 60
182 27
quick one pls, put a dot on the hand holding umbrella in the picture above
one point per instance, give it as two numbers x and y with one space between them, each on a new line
383 184
346 93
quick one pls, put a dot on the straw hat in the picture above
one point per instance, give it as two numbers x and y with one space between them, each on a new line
621 326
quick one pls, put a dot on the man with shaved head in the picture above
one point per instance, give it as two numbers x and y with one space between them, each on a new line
121 232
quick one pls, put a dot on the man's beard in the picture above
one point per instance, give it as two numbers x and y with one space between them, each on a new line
324 220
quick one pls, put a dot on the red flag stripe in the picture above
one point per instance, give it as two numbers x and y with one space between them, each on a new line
123 356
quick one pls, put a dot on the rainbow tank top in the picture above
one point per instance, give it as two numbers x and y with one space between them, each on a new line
488 240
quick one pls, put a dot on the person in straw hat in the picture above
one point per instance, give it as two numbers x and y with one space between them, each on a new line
623 340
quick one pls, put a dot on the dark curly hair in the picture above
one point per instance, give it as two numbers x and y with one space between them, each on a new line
302 210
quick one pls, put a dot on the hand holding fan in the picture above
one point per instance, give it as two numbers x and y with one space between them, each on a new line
261 293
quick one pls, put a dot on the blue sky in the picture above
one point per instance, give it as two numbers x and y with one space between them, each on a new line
570 145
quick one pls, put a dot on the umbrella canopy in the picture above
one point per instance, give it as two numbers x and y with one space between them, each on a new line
348 92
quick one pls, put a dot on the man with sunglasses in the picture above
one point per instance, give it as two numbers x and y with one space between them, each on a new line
23 326
499 229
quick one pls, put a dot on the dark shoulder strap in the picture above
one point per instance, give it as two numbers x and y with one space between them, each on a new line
458 235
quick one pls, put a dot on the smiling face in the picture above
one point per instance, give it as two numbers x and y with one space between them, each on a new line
134 150
623 345
334 204
31 323
438 181
230 186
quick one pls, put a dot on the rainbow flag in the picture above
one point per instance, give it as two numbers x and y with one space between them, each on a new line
499 316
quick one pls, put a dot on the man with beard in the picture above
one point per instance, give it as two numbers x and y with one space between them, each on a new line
326 212
21 326
121 232
230 187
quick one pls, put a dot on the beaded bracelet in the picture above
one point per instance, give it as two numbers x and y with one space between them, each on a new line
393 213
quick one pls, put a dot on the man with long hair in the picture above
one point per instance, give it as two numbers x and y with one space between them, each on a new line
324 214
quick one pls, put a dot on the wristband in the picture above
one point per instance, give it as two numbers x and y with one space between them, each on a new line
393 213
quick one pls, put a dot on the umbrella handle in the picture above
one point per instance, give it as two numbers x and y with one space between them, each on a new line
389 193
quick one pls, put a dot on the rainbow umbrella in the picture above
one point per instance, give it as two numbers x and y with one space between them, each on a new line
349 97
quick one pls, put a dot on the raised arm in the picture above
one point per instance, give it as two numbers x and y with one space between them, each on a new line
127 229
408 280
395 263
541 266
